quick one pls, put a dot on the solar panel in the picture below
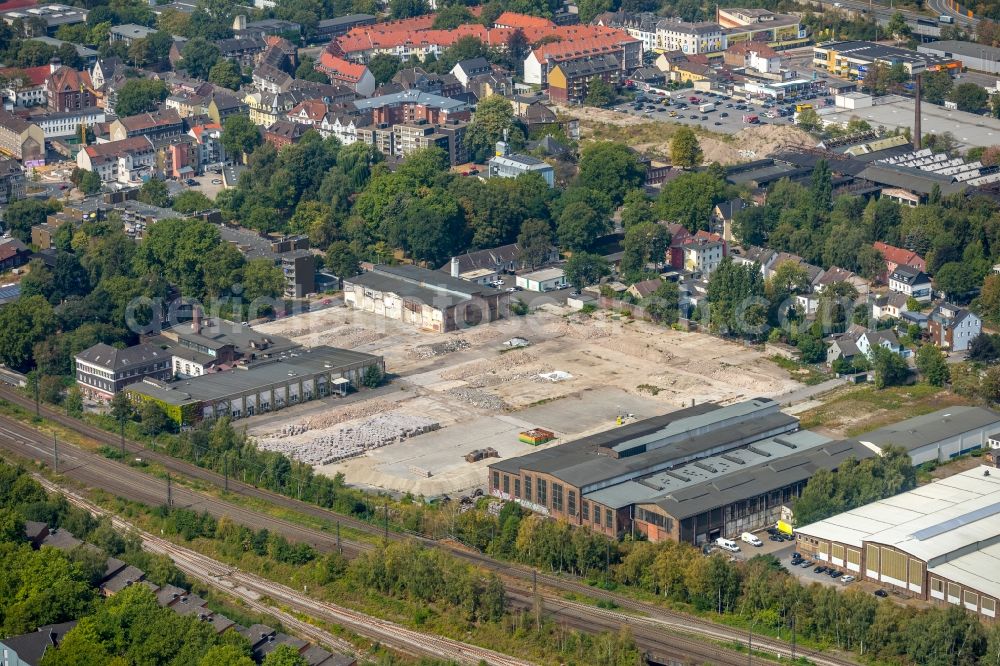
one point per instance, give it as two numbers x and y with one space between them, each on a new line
958 521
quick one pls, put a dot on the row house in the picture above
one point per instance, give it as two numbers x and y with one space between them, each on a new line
245 52
413 106
353 75
343 126
176 156
129 161
59 124
641 25
309 113
415 78
156 125
569 81
23 87
283 133
541 60
208 139
12 181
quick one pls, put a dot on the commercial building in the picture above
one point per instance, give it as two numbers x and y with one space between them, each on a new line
426 299
692 475
128 33
939 542
51 15
689 38
851 59
548 279
979 57
103 370
265 385
939 436
66 124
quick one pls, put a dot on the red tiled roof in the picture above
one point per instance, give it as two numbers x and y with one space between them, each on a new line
36 75
582 47
10 5
515 20
314 109
899 256
67 79
339 68
197 130
131 144
145 121
760 48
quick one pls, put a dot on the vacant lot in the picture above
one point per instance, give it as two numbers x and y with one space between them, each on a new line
481 393
853 410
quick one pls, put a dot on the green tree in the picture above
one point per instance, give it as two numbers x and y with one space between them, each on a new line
23 323
226 655
198 56
690 198
191 201
40 587
809 120
74 401
600 92
897 26
154 192
970 97
611 168
262 279
373 376
284 655
579 227
735 294
140 96
23 214
384 66
226 73
889 367
822 186
307 71
936 86
685 151
451 17
401 9
643 244
637 209
931 363
341 260
494 119
535 241
955 279
591 8
240 136
153 419
584 269
663 305
90 183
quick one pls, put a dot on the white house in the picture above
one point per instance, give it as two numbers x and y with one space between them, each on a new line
953 327
690 38
860 340
129 161
912 282
703 256
341 127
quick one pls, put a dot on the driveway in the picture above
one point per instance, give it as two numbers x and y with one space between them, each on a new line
534 299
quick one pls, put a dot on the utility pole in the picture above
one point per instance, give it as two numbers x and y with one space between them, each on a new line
37 406
537 600
55 452
793 634
339 548
225 474
170 501
122 423
750 646
386 521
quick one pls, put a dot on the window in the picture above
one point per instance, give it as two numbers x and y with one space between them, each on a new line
506 484
543 492
571 508
953 592
517 487
988 606
608 521
586 510
496 479
527 488
971 600
557 497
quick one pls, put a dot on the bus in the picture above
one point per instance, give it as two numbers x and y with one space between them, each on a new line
799 108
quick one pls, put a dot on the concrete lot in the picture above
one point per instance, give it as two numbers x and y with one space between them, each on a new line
897 112
482 394
730 124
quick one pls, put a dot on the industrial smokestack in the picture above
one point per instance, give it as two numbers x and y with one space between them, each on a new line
196 320
916 113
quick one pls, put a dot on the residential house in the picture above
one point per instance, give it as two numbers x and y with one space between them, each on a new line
891 305
505 165
679 236
648 76
644 288
23 87
497 260
355 76
283 133
703 256
897 256
20 139
68 89
542 59
299 270
13 253
244 52
912 282
413 106
569 80
860 340
187 104
343 126
129 161
221 105
952 327
724 213
415 78
466 70
208 138
12 181
689 37
309 113
836 274
102 370
28 649
268 78
449 136
157 125
104 69
60 124
756 56
536 114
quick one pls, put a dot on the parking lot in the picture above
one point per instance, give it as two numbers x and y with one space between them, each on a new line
725 117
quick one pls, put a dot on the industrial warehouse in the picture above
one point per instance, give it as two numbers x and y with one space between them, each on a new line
708 471
939 542
260 386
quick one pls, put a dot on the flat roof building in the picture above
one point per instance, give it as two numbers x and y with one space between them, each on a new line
939 436
939 542
427 299
851 59
980 57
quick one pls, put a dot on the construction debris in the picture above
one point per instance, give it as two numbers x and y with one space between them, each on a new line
480 399
440 348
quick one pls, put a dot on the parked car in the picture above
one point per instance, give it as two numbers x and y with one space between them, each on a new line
806 564
727 544
881 593
847 580
819 569
836 574
749 538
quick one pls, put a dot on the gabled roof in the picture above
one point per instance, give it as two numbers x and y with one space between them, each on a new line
728 209
36 75
587 66
909 275
516 20
113 149
67 79
339 68
898 255
30 647
488 258
836 274
106 356
647 287
949 315
10 247
145 121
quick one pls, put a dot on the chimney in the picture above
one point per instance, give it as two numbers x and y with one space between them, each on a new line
54 64
501 149
196 320
454 267
916 112
240 22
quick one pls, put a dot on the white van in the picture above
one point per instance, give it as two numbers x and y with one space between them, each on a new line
727 544
746 537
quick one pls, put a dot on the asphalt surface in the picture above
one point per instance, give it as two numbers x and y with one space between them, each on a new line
131 483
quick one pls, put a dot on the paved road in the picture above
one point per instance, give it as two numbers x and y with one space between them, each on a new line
809 392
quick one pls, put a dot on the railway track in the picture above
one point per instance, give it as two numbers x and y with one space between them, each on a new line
252 589
130 483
